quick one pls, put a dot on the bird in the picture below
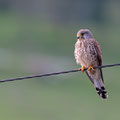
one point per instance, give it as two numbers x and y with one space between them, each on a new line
88 54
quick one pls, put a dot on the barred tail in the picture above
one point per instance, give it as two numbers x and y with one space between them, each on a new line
99 85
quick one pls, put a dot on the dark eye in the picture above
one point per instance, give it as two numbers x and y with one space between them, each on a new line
82 34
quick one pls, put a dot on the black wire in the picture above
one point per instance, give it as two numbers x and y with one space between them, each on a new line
55 73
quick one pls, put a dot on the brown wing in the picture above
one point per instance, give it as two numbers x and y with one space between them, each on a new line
99 57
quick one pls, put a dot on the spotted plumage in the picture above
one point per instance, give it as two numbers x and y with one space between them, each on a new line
88 54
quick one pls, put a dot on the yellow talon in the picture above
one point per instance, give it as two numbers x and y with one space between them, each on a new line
91 69
82 68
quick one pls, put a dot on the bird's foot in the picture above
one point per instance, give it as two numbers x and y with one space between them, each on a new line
82 69
91 69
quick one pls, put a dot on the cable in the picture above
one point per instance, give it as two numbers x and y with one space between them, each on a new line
51 74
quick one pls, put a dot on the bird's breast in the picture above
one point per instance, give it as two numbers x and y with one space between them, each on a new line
85 53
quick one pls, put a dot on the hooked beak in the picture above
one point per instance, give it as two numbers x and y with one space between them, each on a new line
78 38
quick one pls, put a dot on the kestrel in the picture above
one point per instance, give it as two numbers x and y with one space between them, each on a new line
88 55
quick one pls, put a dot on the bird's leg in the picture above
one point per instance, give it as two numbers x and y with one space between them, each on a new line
91 69
82 68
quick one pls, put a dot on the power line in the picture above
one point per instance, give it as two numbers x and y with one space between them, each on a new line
53 74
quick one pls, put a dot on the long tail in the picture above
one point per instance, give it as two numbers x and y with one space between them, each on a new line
99 85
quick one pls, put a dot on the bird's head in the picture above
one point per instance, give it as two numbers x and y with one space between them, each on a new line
84 34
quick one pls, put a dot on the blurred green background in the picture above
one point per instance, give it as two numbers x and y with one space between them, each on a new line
38 36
